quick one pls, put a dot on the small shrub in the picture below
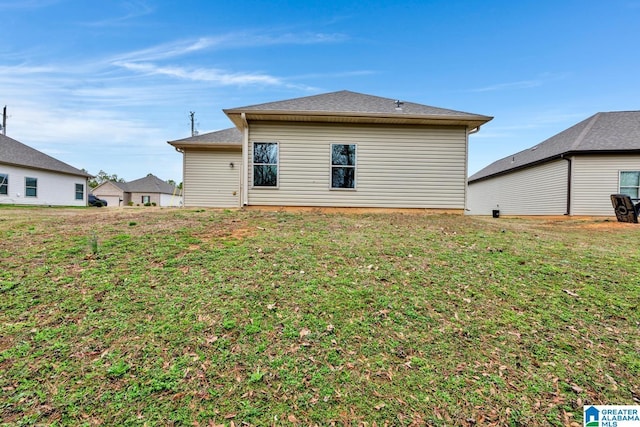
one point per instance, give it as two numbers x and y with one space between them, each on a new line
118 369
228 324
93 243
256 376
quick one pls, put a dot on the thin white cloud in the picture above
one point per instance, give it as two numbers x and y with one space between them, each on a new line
339 74
532 121
203 74
21 70
290 38
133 10
169 50
522 84
225 41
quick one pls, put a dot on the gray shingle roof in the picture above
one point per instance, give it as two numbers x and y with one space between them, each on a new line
616 131
16 153
148 184
352 104
231 136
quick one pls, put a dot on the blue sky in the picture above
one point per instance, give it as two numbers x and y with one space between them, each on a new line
103 85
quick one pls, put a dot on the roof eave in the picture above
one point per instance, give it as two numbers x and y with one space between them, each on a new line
80 173
226 145
468 121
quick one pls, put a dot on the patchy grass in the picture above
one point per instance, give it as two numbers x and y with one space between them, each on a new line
203 317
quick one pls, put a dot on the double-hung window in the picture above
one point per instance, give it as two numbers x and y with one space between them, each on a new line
31 187
343 166
265 164
79 191
630 184
4 184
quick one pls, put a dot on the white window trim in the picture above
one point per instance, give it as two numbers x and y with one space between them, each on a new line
265 187
331 166
5 182
628 186
25 186
76 191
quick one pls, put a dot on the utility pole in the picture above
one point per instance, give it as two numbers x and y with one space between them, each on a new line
193 127
4 121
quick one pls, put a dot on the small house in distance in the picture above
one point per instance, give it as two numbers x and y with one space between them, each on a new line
572 173
339 149
149 190
30 177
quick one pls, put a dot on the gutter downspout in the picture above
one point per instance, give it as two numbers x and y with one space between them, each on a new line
569 171
245 161
466 166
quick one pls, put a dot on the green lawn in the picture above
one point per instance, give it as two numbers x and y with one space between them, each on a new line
204 317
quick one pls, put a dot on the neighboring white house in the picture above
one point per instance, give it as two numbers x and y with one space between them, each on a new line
572 173
149 190
30 177
340 149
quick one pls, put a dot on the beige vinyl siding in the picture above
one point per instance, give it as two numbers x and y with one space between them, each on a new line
111 193
397 166
539 190
209 181
595 178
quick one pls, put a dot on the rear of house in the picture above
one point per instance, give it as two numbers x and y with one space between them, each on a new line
358 165
341 149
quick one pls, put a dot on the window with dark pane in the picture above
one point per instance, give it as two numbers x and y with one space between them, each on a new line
265 164
343 166
4 183
79 191
31 187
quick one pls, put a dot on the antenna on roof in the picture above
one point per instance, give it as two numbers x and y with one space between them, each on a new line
194 132
399 104
3 126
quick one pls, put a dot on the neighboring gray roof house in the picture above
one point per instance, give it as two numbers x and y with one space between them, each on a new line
339 149
149 189
16 153
150 184
571 173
